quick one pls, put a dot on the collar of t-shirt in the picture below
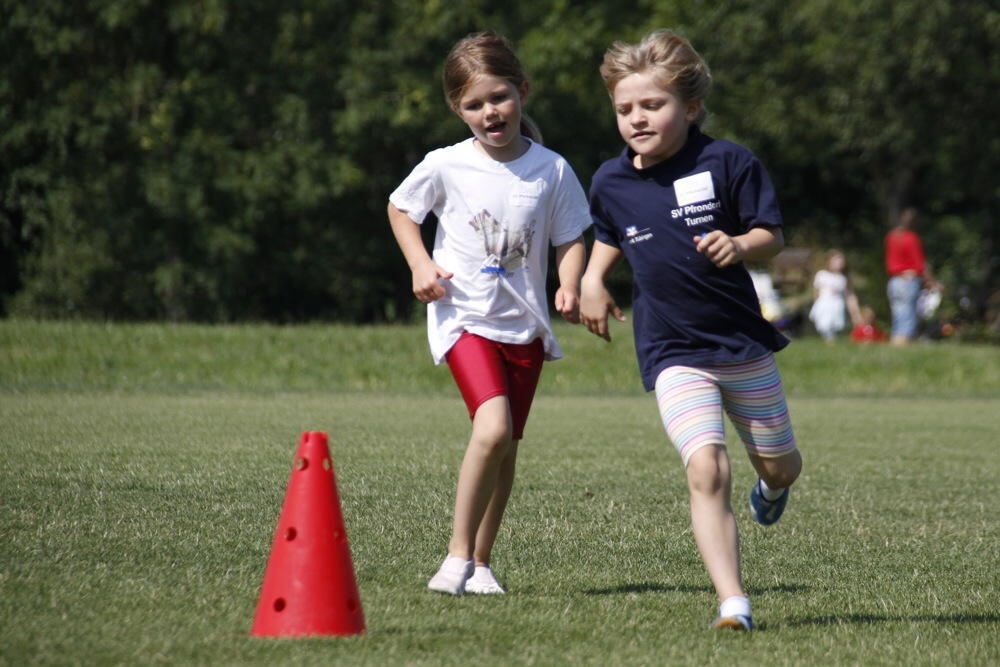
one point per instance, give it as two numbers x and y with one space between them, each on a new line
695 138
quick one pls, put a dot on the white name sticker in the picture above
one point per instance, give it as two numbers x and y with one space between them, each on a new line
527 193
691 189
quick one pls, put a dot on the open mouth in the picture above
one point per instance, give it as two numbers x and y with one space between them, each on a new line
643 134
496 128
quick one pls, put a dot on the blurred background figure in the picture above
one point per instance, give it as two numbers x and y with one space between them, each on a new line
908 275
770 300
866 331
833 298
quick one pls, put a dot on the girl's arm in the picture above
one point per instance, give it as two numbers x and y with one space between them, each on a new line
426 273
570 258
595 300
757 245
853 305
853 308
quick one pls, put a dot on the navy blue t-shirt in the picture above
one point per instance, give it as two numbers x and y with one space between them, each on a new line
686 310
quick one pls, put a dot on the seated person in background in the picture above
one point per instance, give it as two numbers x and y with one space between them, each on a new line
866 331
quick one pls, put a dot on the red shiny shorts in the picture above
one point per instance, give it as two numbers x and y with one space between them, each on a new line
483 368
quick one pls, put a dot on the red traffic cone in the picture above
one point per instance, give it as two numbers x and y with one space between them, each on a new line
309 586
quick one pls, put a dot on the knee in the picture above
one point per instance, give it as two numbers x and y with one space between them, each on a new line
492 428
782 472
493 439
708 472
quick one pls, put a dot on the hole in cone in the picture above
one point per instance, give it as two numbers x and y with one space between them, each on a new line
290 534
279 604
352 605
326 464
302 463
336 534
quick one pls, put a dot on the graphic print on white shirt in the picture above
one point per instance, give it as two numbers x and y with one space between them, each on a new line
505 250
495 224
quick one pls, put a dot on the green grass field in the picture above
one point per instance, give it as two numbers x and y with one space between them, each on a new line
144 468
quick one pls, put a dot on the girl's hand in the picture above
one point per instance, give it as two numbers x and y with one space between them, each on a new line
427 279
720 248
568 304
595 305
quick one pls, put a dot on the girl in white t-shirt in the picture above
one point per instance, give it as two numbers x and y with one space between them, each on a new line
833 298
501 199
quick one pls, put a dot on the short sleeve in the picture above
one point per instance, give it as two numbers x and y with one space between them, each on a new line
420 193
572 216
604 230
755 197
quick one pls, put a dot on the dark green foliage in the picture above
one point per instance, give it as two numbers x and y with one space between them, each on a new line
214 160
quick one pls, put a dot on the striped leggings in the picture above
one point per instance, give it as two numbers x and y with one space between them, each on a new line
691 402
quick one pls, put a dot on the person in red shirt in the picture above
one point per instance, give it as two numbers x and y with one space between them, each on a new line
908 270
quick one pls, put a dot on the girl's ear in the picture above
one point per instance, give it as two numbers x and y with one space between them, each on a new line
524 89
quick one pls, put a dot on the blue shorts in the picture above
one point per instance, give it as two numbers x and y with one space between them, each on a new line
903 292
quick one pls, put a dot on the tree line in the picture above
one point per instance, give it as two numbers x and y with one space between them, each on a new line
224 160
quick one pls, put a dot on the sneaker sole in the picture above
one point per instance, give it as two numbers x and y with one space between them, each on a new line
730 623
444 591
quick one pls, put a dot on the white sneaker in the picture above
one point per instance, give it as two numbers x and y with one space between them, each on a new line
451 576
483 582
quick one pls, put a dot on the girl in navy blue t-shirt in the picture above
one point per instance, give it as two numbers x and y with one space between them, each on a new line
687 210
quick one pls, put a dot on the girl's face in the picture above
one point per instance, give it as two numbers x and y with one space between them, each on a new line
491 107
836 262
652 120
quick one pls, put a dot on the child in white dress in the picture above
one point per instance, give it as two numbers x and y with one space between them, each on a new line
834 297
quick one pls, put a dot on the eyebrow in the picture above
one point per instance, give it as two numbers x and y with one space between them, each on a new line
647 98
643 102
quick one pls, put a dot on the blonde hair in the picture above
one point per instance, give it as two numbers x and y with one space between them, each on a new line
485 53
671 60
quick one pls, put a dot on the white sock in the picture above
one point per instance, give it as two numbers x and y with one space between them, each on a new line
451 576
483 582
768 492
456 563
737 605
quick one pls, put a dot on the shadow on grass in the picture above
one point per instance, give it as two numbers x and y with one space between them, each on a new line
647 587
873 619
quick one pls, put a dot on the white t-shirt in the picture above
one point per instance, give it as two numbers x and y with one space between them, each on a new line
495 223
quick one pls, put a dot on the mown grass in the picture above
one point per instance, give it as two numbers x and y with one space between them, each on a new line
144 469
47 356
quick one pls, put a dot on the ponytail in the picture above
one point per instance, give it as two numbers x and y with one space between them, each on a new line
530 129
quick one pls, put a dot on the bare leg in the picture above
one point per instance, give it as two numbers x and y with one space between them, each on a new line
477 478
780 471
490 525
712 520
